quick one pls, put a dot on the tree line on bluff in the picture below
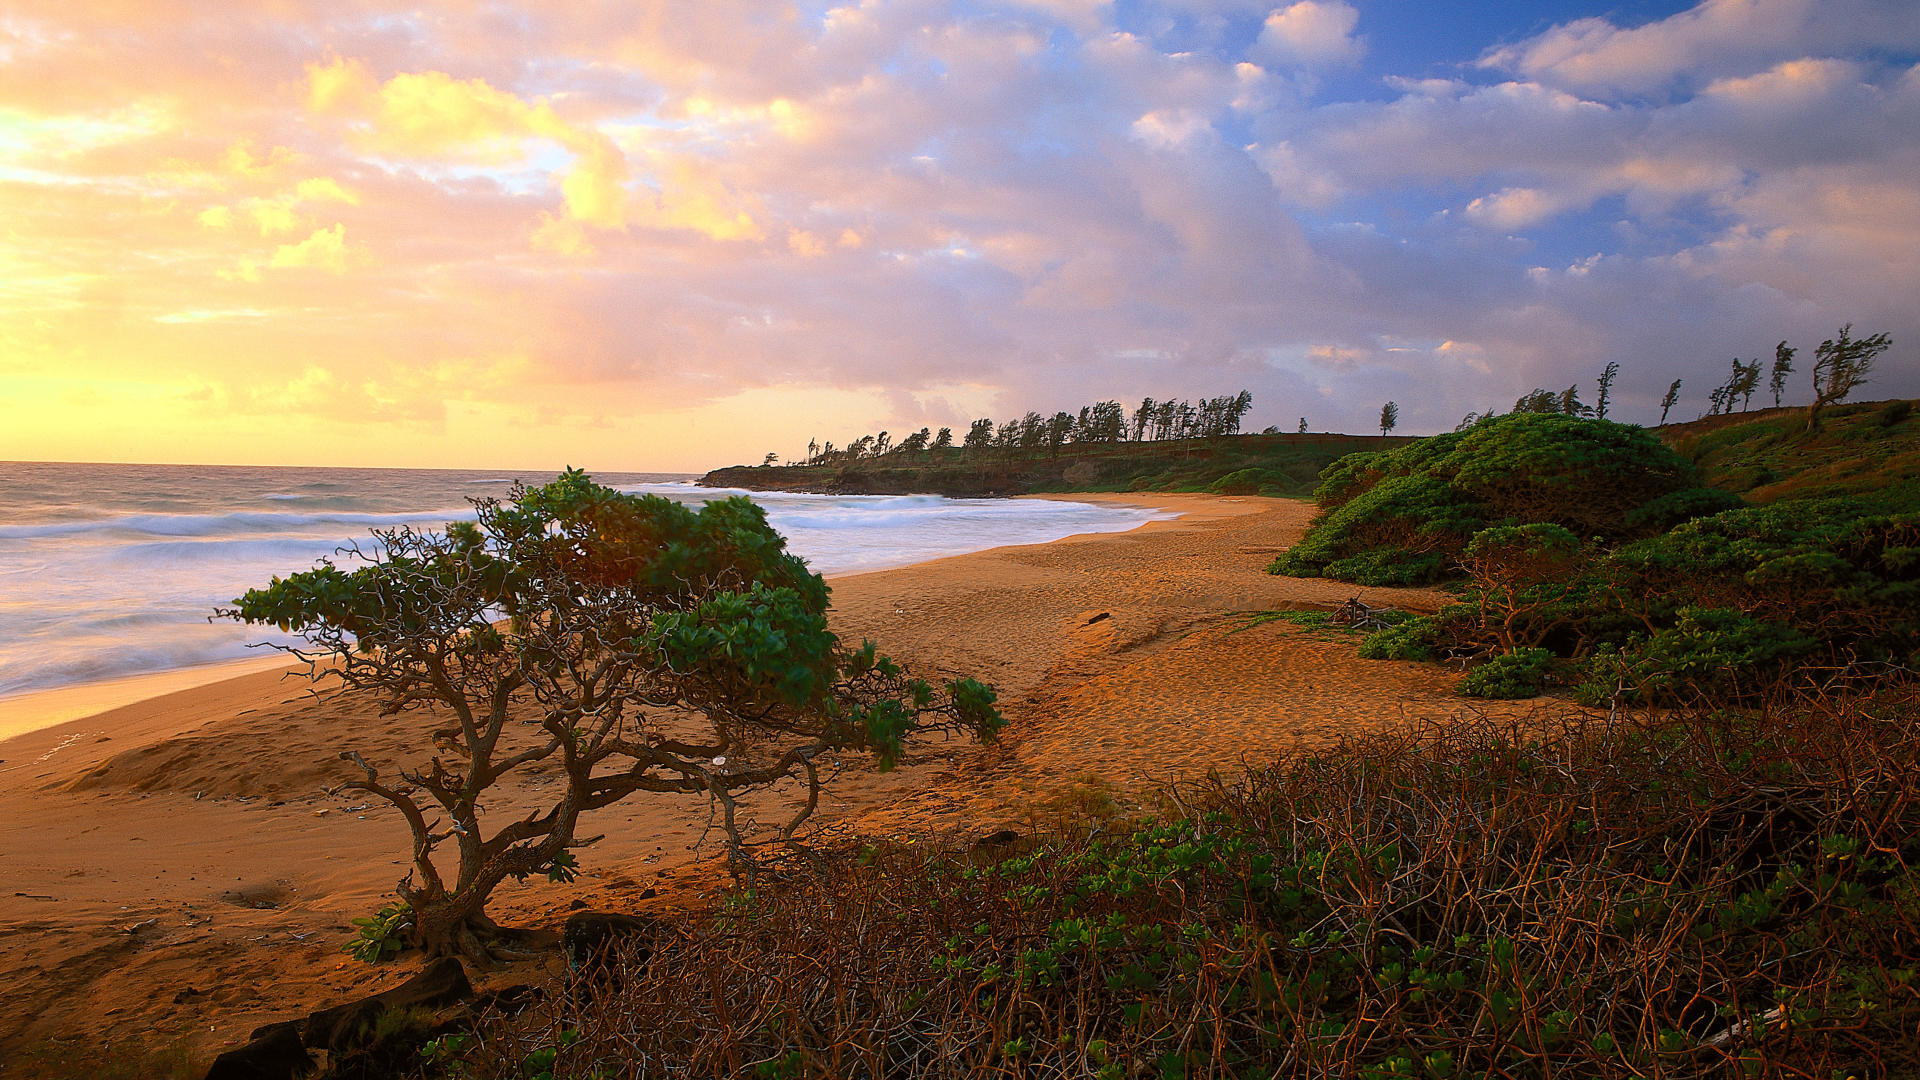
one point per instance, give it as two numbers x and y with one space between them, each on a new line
1841 365
1101 422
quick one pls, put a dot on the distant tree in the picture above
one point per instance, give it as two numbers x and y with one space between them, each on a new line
1570 405
813 450
944 440
1237 412
1840 365
914 443
1537 401
1033 431
1143 419
615 643
1717 400
1302 429
1059 429
1607 376
1008 436
859 447
1741 382
1389 417
1270 429
882 443
1749 382
1782 367
1666 403
980 434
771 458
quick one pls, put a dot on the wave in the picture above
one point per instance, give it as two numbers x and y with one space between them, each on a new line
236 523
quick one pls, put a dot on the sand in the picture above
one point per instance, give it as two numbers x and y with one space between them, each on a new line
173 875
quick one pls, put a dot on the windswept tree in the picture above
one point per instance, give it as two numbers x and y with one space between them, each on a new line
1782 367
1840 365
979 435
1537 401
1389 417
1667 403
1607 375
1570 404
623 644
1741 382
1302 430
944 440
1143 419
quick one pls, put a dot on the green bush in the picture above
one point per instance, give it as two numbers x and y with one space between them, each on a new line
1409 640
1402 515
1717 653
1250 482
1518 674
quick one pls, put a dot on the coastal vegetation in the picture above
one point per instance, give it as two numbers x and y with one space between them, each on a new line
1273 464
1701 894
1171 445
627 643
1709 562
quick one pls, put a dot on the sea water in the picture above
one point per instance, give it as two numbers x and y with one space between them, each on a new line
113 570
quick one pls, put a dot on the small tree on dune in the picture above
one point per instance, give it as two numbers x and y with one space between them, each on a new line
1667 403
1389 417
1782 367
1840 365
1611 372
627 642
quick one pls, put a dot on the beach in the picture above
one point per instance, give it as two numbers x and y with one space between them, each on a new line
175 874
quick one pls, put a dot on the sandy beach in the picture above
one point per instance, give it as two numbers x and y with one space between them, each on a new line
174 874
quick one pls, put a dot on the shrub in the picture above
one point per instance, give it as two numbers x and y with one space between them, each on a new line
1521 673
1712 653
1403 515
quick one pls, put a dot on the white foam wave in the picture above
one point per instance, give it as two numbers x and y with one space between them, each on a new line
229 524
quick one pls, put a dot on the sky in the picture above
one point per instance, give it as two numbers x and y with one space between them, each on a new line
675 235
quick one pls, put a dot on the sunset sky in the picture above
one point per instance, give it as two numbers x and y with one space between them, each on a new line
674 235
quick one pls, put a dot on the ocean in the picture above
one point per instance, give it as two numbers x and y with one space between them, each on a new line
112 570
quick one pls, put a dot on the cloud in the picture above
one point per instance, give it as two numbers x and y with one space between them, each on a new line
324 249
1711 41
1311 33
667 235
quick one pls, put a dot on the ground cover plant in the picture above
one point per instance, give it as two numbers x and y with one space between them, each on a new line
628 643
1704 894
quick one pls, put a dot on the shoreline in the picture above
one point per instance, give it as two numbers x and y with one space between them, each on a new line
41 710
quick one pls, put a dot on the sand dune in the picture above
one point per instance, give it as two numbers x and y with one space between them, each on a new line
174 874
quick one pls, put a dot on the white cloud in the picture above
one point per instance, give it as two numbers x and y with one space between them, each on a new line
1311 33
1714 40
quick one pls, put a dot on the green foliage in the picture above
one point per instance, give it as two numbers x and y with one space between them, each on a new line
1409 640
1518 674
1402 516
382 935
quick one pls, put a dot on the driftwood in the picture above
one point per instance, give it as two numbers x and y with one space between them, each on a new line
1356 615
